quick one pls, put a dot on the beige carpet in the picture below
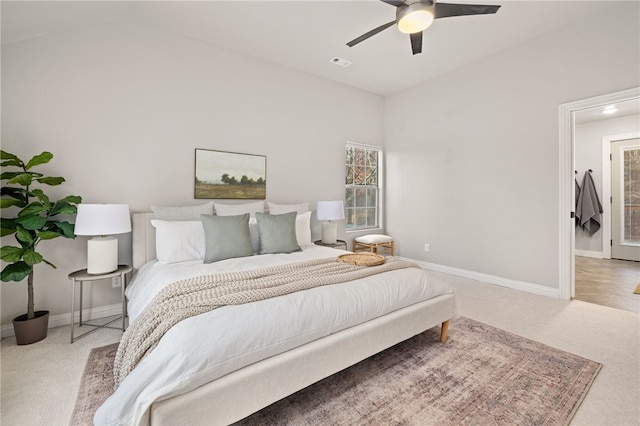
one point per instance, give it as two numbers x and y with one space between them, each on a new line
482 375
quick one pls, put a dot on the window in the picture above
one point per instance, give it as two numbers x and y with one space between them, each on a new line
362 178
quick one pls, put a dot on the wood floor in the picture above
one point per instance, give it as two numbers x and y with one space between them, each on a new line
608 282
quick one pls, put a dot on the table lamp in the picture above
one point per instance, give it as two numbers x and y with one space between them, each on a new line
102 221
330 210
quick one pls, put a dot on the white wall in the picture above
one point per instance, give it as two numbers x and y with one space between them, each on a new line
123 106
473 157
588 155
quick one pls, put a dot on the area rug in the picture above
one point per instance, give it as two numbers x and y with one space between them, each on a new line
482 376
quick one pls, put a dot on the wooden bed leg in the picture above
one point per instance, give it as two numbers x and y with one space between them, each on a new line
444 331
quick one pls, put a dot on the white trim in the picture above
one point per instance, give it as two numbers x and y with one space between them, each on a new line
491 279
364 145
566 178
65 319
590 253
606 188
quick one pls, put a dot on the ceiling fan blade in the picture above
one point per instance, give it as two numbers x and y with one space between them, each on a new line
370 33
416 42
396 3
445 10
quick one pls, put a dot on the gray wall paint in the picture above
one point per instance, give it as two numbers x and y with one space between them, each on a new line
123 106
588 155
472 156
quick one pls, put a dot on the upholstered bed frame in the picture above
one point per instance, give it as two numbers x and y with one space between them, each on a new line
245 391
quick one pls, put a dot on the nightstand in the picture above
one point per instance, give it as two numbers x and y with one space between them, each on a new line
81 277
340 244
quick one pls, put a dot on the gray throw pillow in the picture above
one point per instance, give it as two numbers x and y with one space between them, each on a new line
277 233
226 237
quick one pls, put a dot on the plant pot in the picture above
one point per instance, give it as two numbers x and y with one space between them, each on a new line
33 330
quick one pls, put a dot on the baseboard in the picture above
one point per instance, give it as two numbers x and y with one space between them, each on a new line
491 279
65 319
590 253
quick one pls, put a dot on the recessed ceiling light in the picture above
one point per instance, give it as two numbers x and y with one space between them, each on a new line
609 109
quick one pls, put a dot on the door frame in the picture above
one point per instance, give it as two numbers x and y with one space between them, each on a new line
566 182
606 188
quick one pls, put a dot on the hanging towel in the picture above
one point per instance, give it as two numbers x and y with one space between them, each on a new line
589 207
577 198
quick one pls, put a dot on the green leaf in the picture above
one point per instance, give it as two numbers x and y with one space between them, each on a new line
23 179
7 231
39 193
4 155
71 199
50 180
8 202
42 158
17 193
48 235
15 271
8 226
62 207
11 254
9 175
15 163
24 237
31 257
34 208
32 222
66 228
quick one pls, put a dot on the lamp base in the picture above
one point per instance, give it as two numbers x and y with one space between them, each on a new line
329 233
102 255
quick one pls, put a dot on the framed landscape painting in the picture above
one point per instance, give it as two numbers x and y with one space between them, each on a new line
229 175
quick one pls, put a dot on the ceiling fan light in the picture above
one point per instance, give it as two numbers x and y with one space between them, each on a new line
414 18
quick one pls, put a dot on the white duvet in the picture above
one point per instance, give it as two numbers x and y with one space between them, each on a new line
208 346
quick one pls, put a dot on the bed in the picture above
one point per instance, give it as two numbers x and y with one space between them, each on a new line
180 382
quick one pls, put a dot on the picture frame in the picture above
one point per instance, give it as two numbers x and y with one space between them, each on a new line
229 175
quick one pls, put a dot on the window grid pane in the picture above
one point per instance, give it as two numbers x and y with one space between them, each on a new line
361 192
631 202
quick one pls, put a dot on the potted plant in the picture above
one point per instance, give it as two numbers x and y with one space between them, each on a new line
34 222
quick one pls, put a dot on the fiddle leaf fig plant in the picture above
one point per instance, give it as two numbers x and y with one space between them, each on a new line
35 220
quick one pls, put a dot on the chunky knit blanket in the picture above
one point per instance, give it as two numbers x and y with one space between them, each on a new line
197 295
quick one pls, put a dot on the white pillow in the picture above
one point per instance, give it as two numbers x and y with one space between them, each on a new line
182 213
179 241
286 208
303 229
238 209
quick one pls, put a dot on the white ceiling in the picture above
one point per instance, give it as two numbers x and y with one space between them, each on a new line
306 34
630 107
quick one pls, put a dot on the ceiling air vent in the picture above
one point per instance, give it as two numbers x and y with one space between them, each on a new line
342 62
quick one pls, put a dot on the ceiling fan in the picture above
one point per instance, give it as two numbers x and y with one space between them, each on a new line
414 16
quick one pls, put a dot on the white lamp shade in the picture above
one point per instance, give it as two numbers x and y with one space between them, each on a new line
330 210
102 219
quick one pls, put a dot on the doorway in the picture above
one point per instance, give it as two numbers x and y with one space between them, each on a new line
625 199
567 178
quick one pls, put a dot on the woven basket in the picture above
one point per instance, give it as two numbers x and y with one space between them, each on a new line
361 259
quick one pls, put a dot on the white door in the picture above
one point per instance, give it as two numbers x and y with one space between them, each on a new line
625 199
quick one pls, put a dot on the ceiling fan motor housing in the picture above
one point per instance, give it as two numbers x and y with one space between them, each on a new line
416 16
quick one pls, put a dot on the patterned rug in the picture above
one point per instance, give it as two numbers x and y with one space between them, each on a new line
482 375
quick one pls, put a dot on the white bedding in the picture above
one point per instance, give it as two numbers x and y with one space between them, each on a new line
203 348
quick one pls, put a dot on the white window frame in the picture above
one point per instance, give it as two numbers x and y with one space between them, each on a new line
379 187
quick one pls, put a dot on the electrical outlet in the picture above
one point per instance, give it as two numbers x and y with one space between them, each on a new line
116 282
426 248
